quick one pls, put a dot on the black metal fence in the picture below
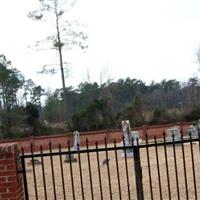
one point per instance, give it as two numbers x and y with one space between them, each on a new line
158 169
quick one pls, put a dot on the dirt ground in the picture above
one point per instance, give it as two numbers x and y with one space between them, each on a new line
113 174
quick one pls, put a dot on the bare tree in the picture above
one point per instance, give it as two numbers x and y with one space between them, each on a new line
67 34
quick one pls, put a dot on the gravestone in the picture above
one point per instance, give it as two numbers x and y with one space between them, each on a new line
128 137
193 130
175 130
135 137
75 147
76 141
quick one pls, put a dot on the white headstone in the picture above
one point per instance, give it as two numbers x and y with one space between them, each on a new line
175 130
75 147
129 136
135 137
126 129
193 131
76 140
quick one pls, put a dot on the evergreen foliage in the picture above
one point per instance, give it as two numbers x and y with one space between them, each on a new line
92 106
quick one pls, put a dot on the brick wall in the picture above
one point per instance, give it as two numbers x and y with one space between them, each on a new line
93 136
11 185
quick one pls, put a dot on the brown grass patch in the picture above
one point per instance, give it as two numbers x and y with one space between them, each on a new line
113 175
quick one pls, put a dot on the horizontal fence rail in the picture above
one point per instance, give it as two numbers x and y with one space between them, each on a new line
153 169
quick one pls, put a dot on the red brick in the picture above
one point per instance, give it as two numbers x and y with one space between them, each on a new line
12 189
7 162
2 167
9 195
9 184
3 190
7 173
10 178
2 156
10 167
2 179
9 155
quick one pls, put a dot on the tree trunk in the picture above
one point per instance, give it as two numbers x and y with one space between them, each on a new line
61 65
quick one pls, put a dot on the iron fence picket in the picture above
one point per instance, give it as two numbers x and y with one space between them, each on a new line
61 171
89 168
99 171
175 166
80 172
138 173
126 169
52 171
149 166
43 173
24 175
71 171
184 166
193 168
167 168
117 169
158 167
34 174
108 168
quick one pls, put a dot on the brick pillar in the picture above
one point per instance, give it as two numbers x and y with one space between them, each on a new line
11 184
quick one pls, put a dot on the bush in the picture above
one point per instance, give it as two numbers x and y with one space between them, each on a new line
194 115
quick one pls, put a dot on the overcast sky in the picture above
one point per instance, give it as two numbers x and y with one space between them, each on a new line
147 40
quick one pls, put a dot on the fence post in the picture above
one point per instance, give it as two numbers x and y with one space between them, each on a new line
11 184
138 173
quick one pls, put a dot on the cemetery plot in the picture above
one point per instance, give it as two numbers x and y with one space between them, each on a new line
121 173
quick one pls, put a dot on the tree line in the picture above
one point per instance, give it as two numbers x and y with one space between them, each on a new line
91 106
20 102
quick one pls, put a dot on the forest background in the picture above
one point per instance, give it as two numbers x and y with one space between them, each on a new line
91 106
